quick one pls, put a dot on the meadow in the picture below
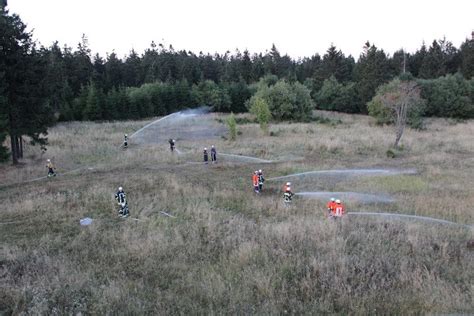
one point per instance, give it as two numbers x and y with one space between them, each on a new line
227 250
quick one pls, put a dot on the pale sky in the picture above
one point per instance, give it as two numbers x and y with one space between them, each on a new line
298 27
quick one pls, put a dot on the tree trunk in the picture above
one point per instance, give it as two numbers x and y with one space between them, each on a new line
21 147
17 143
13 141
399 134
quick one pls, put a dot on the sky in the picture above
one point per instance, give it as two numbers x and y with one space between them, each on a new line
299 28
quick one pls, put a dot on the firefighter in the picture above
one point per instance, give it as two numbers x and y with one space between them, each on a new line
206 156
51 169
261 179
121 198
339 209
288 194
331 205
255 182
213 154
172 144
125 141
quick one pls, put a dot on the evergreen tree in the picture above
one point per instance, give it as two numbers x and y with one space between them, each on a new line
433 65
80 65
113 72
239 94
93 108
372 70
335 64
22 70
467 57
417 60
131 70
246 68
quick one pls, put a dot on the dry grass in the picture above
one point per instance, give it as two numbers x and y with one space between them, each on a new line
227 250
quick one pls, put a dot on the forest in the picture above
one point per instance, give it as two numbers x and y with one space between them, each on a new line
41 85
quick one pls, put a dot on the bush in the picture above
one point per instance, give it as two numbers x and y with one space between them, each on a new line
286 101
335 96
260 109
449 96
232 124
385 115
209 93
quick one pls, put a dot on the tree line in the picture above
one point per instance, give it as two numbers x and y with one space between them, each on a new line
40 85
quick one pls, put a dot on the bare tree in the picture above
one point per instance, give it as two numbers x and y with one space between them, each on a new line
399 100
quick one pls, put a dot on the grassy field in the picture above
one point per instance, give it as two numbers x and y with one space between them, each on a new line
227 250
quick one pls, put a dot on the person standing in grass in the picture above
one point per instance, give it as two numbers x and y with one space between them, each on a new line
288 194
51 169
261 179
213 154
172 144
331 205
125 141
255 182
121 198
206 156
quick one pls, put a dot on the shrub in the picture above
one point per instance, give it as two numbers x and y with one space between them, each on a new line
286 101
261 110
449 96
232 124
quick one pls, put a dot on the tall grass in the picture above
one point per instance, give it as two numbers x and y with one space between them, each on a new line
228 250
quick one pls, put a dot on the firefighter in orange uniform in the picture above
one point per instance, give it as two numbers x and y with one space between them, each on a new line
255 182
331 205
339 209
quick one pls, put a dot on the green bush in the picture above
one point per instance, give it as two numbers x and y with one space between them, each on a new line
260 109
385 115
286 101
335 96
449 96
232 124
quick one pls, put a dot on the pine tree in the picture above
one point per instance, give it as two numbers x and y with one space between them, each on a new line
372 70
467 58
113 72
416 60
24 95
93 110
433 65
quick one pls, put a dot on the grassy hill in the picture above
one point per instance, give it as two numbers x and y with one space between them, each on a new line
227 250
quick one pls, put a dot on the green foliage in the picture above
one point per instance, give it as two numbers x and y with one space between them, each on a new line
94 104
261 110
232 125
371 71
467 59
385 115
239 94
168 80
286 101
449 96
23 88
334 64
335 96
209 93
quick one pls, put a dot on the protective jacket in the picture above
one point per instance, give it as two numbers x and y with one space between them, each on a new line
121 197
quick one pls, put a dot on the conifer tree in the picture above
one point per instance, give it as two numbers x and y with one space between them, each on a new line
22 71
